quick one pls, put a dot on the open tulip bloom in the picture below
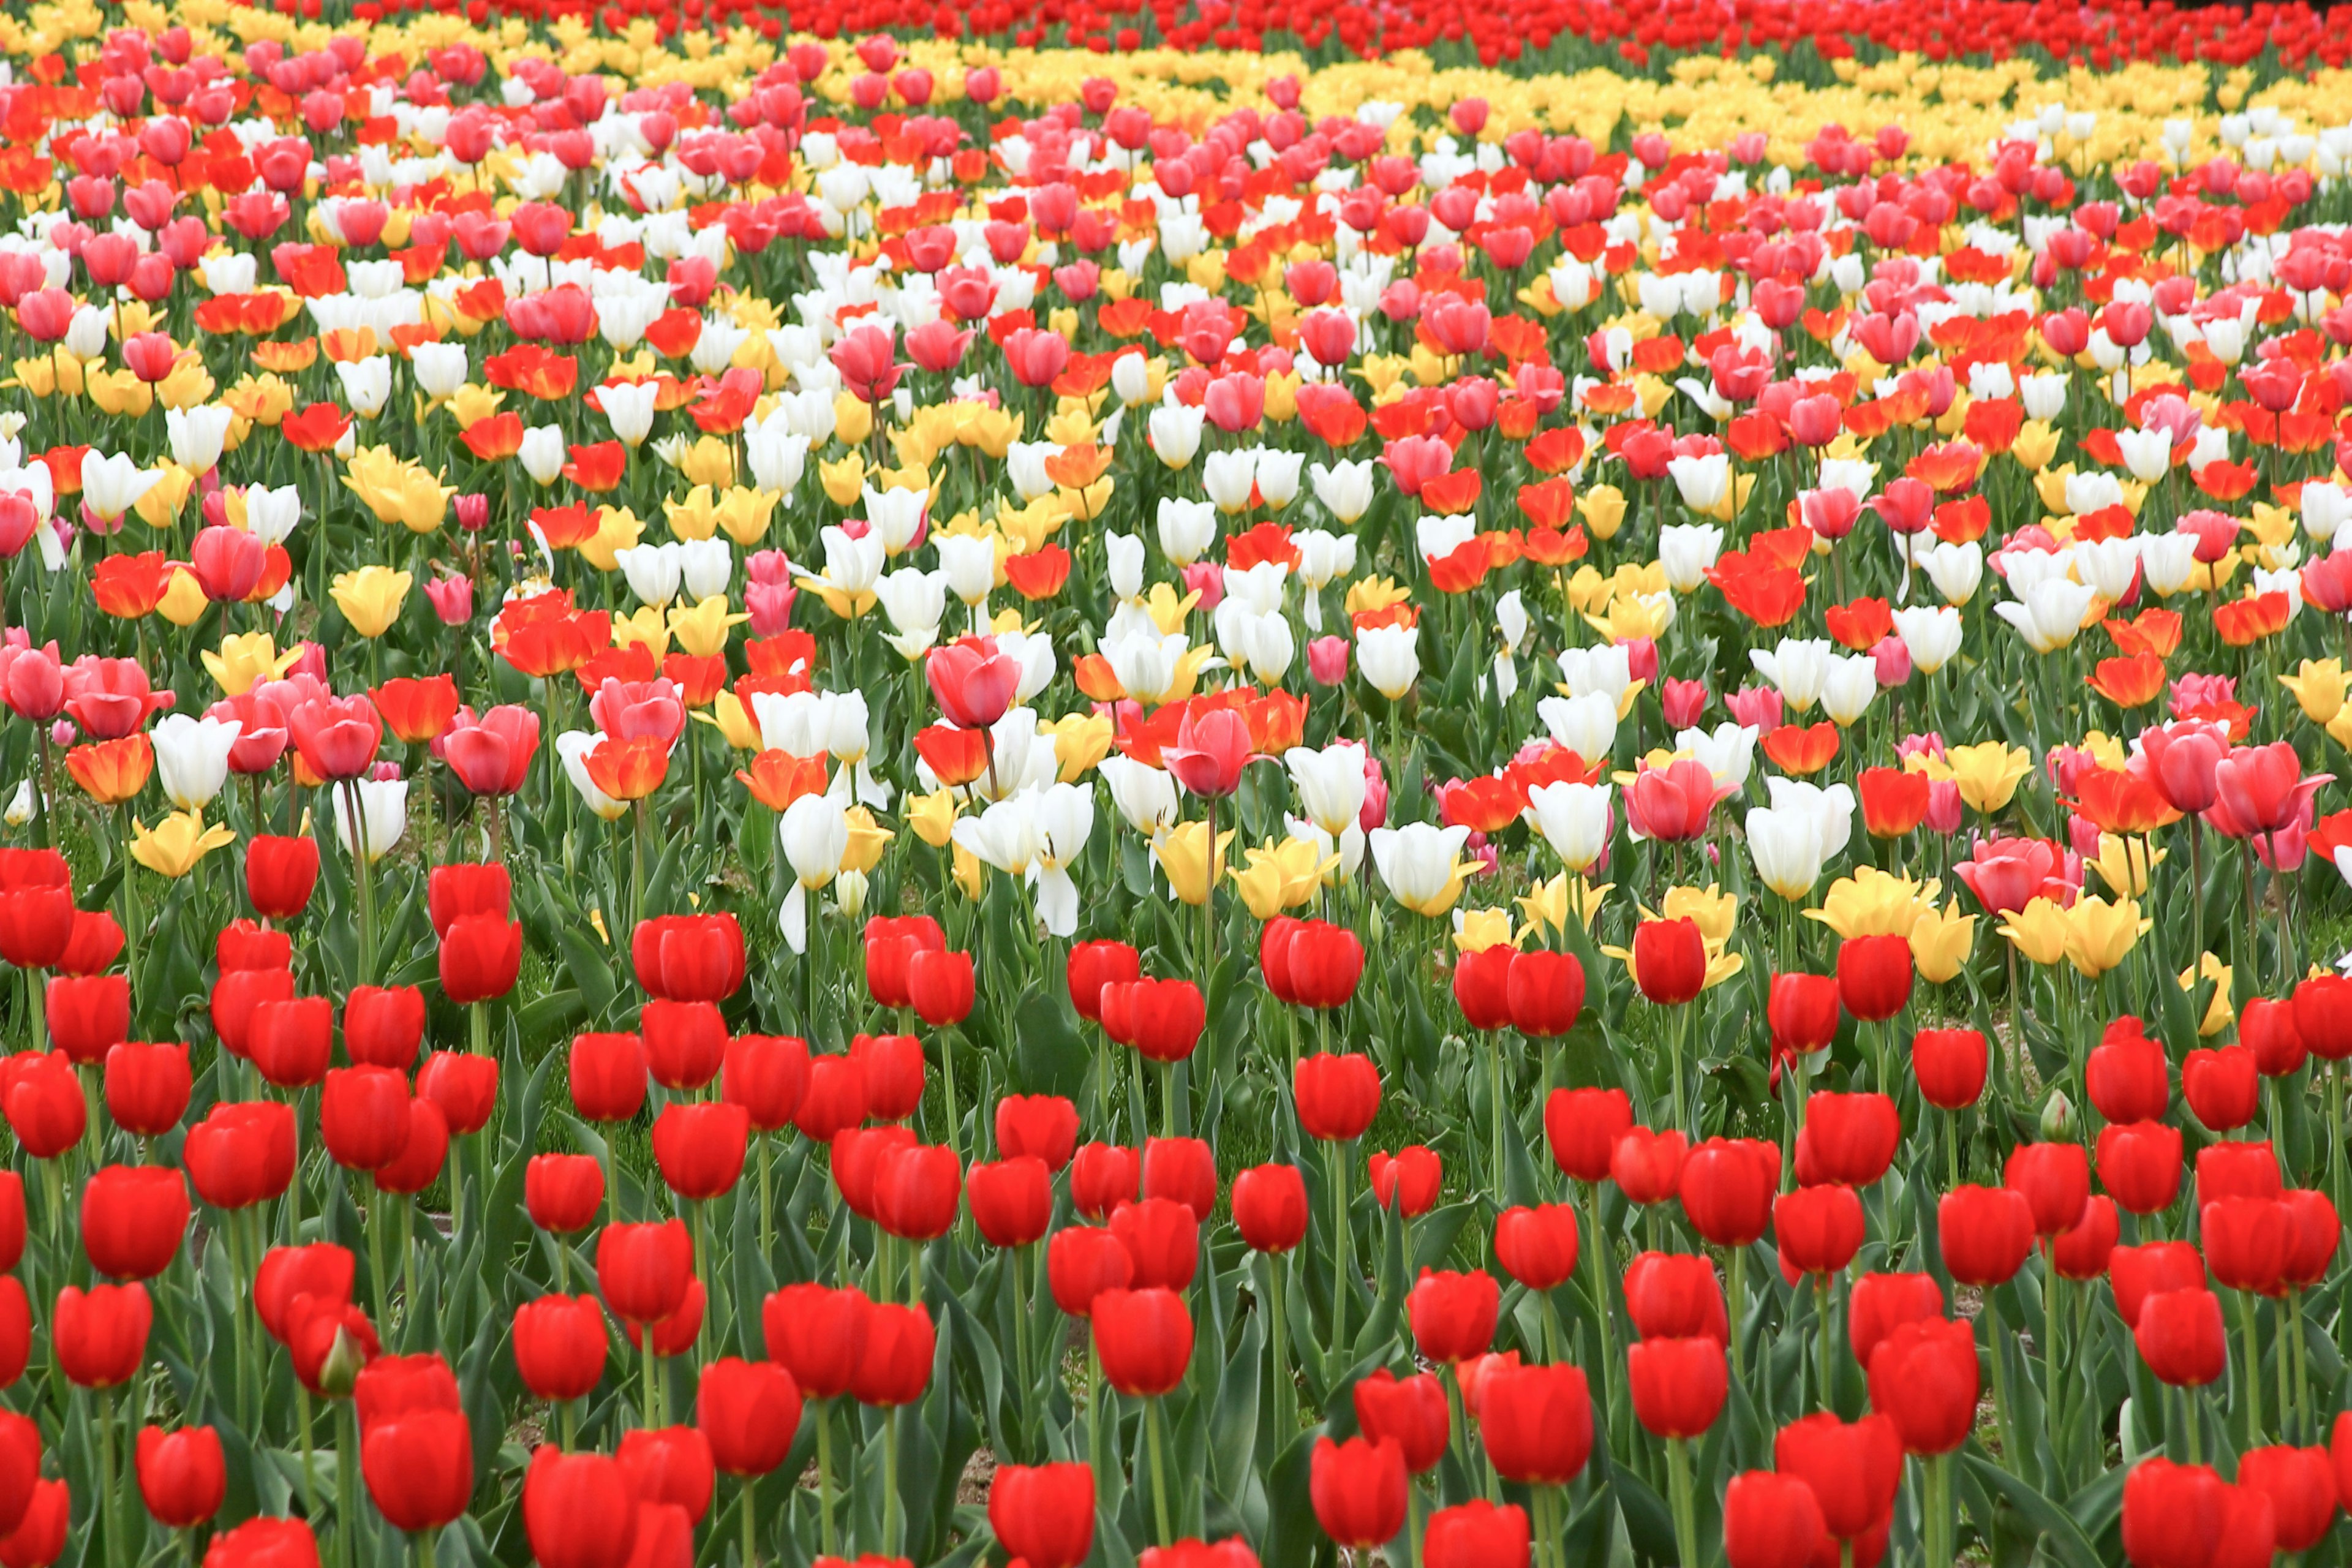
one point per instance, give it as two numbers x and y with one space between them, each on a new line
1559 777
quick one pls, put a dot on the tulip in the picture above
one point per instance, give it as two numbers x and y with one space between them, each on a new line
1336 1096
1847 1138
750 1411
685 1044
1358 1491
558 1346
2222 1087
1481 1534
1162 1238
579 1511
2174 1516
1770 1521
262 1543
419 1467
2301 1487
643 1269
2055 1181
1453 1314
2180 1335
182 1477
700 1148
1043 1126
147 1087
1647 1165
1583 1126
1011 1200
383 1026
1408 1412
1678 1386
99 1336
1538 1246
1819 1229
132 1220
1044 1514
1853 1468
280 874
1537 1423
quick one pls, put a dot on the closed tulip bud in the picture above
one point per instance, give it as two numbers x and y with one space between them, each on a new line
895 1364
1102 1177
1358 1489
181 1475
280 874
1012 1201
1818 1229
1081 1263
2317 1232
1647 1165
675 1334
39 1537
384 1025
750 1411
1923 1377
1478 1534
1538 1246
2139 1164
1481 985
940 985
1044 1515
419 1467
479 957
87 1014
1770 1521
1545 992
321 1271
1162 1238
818 1334
558 1346
363 1116
1874 975
1854 1468
1583 1126
670 1466
147 1087
2181 1337
236 996
1095 964
1803 1011
42 1101
579 1511
15 1337
99 1335
1408 1412
1678 1385
1536 1423
643 1269
12 1219
2174 1516
1669 961
2136 1273
1949 1065
858 1157
917 1189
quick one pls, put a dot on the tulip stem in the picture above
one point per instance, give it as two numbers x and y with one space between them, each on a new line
767 1195
1159 1470
750 1523
2253 1364
824 1476
2000 1383
1939 1506
1823 1298
1599 1251
347 1475
653 1396
376 1221
1340 1248
1678 1477
104 1514
1278 1332
310 1490
2295 1344
1739 1312
2054 1392
890 1531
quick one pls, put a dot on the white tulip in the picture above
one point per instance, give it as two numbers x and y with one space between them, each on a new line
1957 570
1144 796
1787 848
1703 481
1586 725
1688 552
967 562
1175 432
2051 613
1846 694
383 814
112 484
628 408
1418 862
543 453
1330 784
573 746
1390 658
1798 666
191 757
815 833
1228 478
1344 487
197 435
1728 751
1930 634
1187 529
367 383
653 571
1574 819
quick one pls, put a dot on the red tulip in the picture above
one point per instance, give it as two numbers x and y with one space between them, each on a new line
1646 1166
1853 1468
2322 1015
235 997
1949 1065
1270 1207
321 1271
689 957
940 985
1095 964
1481 985
20 1467
1358 1489
1409 1412
2248 1242
894 1366
183 1476
675 1334
39 1537
1583 1126
1144 1338
579 1511
699 1147
280 874
363 1116
1727 1189
1676 1295
1545 992
1012 1201
558 1346
1538 1246
2222 1088
2136 1273
479 957
2139 1164
2181 1337
395 1385
750 1410
42 1101
1478 1534
890 943
132 1220
1182 1170
419 1467
99 1336
1818 1229
817 1334
1453 1314
1847 1138
1045 1126
685 1042
2300 1484
2236 1170
2054 1179
1770 1521
382 1026
16 1335
2083 1252
1536 1423
241 1154
1081 1263
643 1269
422 1151
1669 961
1985 1233
1338 1094
147 1087
264 1542
87 1014
973 682
833 1099
1162 1240
2268 1029
2126 1075
1678 1386
670 1466
1102 1177
1880 1303
1407 1181
1923 1378
2173 1515
1803 1011
465 1088
2317 1231
1044 1514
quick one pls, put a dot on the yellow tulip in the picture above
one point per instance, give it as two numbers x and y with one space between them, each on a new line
1080 742
118 393
160 507
2099 933
709 461
696 517
188 384
867 840
2036 444
853 420
744 515
2124 864
397 490
470 405
1713 910
1987 772
1167 610
1183 852
1370 595
174 846
734 721
1941 941
1872 902
247 658
1475 931
617 529
932 817
643 628
2219 1013
183 600
371 597
702 630
843 479
967 873
1602 508
2038 931
2318 688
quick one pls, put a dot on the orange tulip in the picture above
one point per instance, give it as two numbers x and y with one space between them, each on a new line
111 772
628 770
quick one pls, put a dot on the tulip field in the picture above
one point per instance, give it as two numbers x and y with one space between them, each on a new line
834 784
